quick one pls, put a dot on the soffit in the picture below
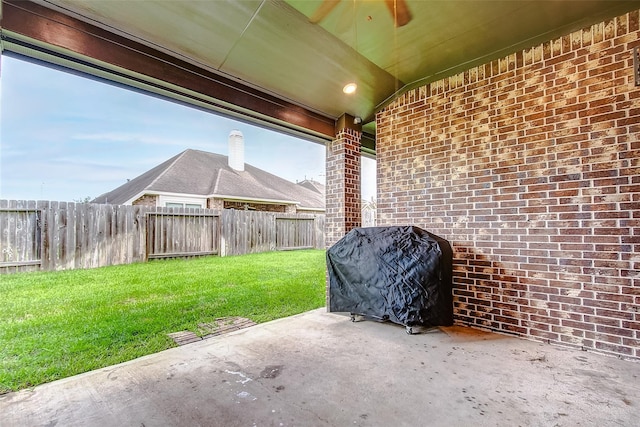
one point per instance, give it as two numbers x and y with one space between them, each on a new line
271 45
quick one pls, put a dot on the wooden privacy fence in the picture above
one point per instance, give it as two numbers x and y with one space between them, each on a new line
246 232
175 234
47 235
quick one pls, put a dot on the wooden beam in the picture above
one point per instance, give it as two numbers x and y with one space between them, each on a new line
347 121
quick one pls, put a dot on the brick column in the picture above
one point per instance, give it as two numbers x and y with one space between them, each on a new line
343 210
343 181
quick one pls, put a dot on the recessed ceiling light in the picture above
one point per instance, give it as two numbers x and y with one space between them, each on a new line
350 88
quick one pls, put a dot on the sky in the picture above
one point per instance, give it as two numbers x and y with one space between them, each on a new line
64 137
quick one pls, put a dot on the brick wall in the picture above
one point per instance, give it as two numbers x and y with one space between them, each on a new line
343 201
290 209
264 207
146 200
343 207
215 203
530 167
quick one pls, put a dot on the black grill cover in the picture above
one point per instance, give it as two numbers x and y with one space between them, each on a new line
401 274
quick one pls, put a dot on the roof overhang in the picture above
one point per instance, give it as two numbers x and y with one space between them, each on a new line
264 61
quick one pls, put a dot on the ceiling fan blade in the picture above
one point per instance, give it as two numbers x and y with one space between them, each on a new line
399 11
322 11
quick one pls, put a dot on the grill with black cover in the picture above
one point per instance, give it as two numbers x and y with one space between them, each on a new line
401 274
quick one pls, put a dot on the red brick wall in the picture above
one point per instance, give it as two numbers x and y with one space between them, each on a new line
530 167
265 207
343 208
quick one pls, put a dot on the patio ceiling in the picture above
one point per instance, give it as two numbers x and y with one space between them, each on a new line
272 46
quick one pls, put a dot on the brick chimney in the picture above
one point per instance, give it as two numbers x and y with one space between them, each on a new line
236 150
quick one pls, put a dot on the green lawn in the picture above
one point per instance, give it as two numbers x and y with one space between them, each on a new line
58 324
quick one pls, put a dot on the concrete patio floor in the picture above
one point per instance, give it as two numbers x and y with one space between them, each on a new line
319 369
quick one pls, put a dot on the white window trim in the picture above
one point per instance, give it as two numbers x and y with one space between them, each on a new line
163 200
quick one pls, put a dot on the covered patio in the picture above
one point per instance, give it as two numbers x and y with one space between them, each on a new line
508 128
320 369
511 129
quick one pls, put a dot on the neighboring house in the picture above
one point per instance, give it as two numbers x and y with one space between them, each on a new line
201 179
369 209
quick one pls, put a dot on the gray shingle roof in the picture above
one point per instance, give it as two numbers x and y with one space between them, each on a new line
196 172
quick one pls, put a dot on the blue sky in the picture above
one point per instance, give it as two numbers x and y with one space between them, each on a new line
65 138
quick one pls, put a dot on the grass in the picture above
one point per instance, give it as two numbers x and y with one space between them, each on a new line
57 324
